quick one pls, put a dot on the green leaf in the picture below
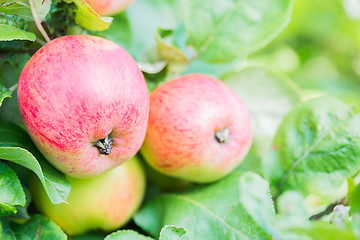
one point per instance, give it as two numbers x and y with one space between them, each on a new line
21 8
4 93
11 191
325 231
254 190
6 233
251 163
22 211
89 19
127 235
291 213
224 30
356 224
173 233
138 34
42 8
92 235
316 148
212 211
269 96
10 68
354 199
214 69
61 16
15 21
15 28
39 227
16 146
167 49
123 37
8 33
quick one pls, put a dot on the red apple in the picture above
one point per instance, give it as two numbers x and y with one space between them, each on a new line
108 7
85 104
198 130
106 201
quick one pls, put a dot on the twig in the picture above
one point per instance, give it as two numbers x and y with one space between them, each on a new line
40 41
329 209
12 88
37 21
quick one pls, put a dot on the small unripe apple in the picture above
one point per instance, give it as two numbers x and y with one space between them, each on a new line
85 104
106 202
108 7
198 130
164 183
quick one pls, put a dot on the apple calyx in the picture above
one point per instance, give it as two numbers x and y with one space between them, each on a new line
222 135
104 145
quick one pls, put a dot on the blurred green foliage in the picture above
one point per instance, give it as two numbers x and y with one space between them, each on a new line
319 50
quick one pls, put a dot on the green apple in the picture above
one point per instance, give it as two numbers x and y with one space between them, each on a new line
164 182
106 202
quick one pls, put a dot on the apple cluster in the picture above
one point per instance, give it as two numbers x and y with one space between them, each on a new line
86 106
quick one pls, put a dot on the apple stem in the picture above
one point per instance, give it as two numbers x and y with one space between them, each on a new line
37 21
222 136
104 145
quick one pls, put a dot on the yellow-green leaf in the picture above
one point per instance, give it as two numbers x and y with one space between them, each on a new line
8 33
89 19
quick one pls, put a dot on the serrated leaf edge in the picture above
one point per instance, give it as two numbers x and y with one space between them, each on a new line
44 180
202 207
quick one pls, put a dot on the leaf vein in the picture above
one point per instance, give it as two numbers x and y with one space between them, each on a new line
306 153
202 207
217 28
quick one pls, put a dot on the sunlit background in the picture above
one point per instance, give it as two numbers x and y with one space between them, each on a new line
319 50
